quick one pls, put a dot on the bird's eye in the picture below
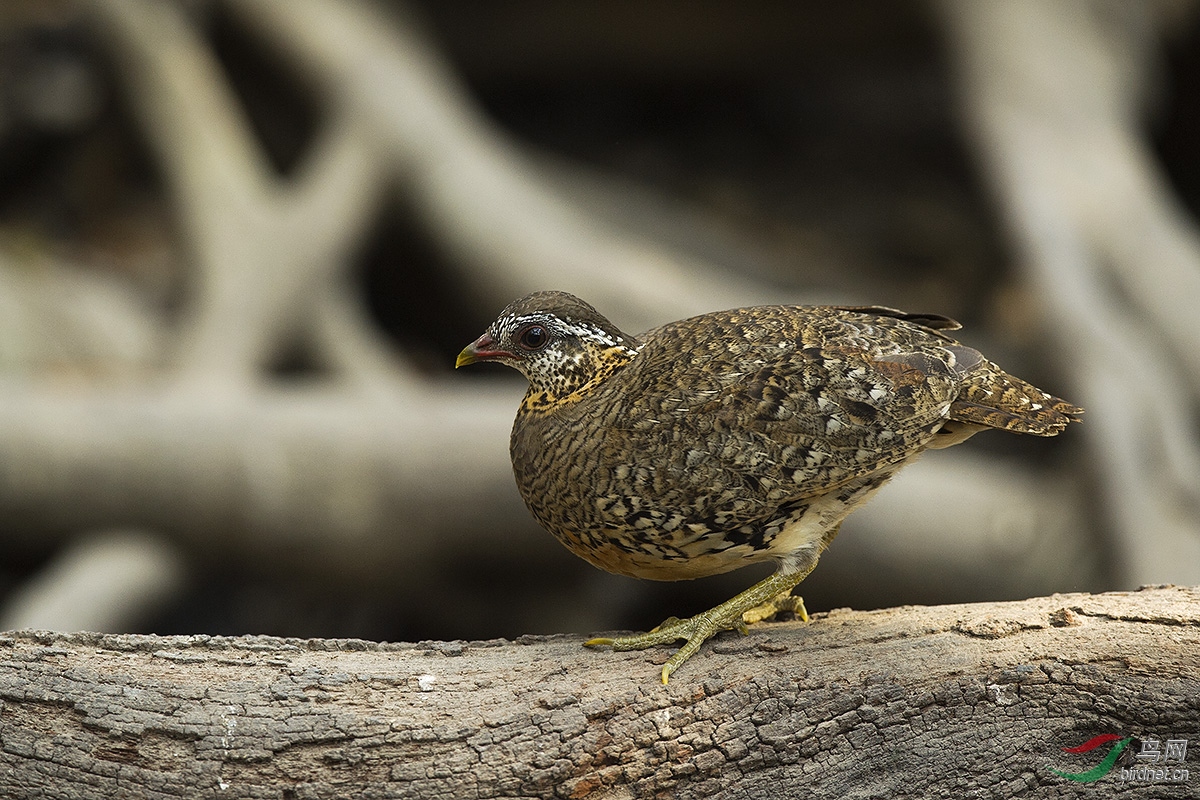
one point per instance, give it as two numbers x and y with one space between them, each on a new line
533 337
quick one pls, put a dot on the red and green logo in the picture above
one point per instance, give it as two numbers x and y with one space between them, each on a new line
1106 764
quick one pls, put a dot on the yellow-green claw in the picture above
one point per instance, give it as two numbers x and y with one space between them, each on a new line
776 605
761 601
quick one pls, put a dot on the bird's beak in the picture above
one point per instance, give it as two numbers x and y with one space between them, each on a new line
482 349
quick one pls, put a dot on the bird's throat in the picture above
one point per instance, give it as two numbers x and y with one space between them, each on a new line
575 380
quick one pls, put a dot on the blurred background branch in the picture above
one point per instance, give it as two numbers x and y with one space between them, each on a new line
1053 93
241 241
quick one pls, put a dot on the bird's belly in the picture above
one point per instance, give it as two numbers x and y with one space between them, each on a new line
613 555
682 554
661 518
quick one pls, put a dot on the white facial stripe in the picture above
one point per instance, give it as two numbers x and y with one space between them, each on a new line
564 327
586 331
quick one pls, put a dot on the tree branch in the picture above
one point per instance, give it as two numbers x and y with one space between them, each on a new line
971 700
264 246
393 487
1113 256
483 197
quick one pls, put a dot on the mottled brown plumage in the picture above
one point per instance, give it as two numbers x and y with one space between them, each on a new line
733 437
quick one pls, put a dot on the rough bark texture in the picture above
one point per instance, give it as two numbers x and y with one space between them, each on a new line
948 701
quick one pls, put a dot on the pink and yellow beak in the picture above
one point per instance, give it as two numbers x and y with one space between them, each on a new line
482 349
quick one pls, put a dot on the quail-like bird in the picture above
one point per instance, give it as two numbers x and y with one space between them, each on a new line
733 437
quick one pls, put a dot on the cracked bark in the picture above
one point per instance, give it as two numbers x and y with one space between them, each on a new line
953 701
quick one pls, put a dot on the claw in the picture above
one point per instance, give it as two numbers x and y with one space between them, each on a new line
785 601
761 601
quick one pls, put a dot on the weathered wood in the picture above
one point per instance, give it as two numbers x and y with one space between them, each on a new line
948 701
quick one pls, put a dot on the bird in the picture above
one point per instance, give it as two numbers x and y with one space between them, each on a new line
733 437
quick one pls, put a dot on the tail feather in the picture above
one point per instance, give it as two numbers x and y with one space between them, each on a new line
994 399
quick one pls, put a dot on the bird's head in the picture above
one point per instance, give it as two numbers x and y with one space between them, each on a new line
558 342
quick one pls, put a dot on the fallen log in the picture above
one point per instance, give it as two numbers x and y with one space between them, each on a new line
973 700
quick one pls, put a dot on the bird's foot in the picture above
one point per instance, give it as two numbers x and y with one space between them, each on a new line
696 630
781 603
761 601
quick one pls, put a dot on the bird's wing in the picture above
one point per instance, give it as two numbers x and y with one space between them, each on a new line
790 400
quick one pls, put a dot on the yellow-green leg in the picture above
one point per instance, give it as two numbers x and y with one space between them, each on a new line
762 600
